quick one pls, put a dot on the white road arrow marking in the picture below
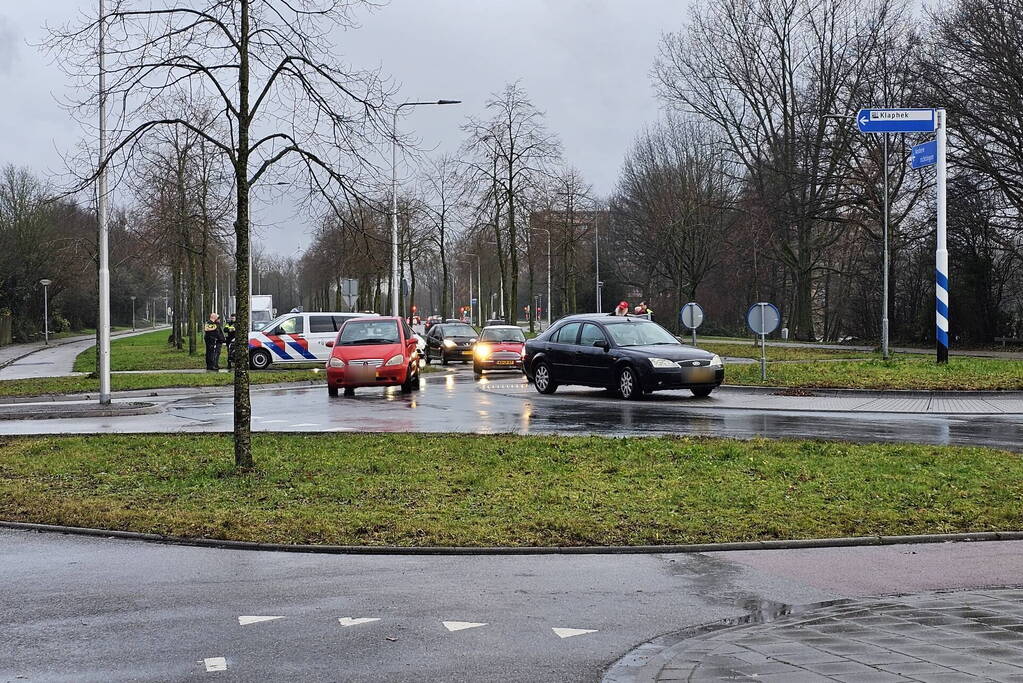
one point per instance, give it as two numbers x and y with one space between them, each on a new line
245 621
355 621
460 625
569 632
215 664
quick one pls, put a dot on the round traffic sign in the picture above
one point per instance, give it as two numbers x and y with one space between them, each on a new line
691 315
763 318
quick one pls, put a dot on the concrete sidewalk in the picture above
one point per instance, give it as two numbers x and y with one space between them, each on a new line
973 635
28 361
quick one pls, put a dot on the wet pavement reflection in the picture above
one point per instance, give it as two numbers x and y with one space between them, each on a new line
453 402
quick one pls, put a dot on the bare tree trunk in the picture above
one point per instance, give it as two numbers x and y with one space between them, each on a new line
242 407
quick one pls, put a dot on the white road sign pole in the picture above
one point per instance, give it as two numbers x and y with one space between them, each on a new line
763 342
941 253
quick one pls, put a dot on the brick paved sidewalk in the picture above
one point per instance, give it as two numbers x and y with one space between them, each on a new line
959 636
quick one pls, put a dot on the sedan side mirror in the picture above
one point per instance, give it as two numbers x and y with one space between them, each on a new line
602 344
328 343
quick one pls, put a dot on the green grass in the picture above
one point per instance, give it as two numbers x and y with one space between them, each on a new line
75 385
907 372
419 490
148 351
779 352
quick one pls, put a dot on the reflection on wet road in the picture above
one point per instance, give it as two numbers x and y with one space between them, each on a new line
453 402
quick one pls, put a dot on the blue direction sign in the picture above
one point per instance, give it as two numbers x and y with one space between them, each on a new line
924 155
897 121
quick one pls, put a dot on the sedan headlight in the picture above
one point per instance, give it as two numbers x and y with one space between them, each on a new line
663 363
716 361
397 359
482 351
449 344
335 363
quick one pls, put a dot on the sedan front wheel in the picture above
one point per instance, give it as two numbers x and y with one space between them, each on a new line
542 379
628 385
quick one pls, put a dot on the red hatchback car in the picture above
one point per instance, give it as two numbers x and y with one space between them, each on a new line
500 347
373 352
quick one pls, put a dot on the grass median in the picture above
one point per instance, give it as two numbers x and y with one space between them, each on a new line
42 386
422 490
905 372
148 351
776 353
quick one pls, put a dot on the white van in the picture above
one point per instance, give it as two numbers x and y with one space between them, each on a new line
297 338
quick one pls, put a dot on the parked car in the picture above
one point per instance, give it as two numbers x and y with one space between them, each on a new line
500 347
630 355
495 321
450 341
297 338
373 352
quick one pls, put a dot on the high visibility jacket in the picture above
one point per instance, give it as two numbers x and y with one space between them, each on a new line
213 333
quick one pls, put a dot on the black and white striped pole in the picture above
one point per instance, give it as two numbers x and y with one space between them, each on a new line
941 250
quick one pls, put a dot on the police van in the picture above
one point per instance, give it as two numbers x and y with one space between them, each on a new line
298 337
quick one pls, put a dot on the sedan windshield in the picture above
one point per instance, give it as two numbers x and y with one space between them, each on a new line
640 334
459 331
503 334
364 332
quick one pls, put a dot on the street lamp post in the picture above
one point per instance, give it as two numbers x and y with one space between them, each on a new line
395 283
103 246
596 252
46 309
132 314
478 308
548 274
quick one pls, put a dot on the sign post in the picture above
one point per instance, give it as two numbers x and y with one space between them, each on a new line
691 317
941 252
763 319
886 121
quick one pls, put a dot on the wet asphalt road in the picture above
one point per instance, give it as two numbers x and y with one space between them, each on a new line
453 402
87 609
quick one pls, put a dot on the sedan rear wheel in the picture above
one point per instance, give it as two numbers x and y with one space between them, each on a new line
542 379
628 385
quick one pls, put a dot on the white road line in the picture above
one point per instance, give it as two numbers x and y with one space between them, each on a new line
460 625
341 429
245 621
266 422
306 424
569 632
355 621
215 664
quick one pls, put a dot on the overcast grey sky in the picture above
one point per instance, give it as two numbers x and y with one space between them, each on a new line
585 63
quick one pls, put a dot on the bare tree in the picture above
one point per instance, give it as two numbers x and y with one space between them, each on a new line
266 68
516 147
766 73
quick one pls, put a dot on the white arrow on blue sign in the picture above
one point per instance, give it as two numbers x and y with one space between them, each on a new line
924 155
897 121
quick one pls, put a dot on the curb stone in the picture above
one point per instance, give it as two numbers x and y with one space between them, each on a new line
980 536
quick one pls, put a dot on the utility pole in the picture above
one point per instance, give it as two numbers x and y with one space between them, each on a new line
132 314
103 246
596 251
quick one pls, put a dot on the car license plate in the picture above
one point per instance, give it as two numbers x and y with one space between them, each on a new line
701 375
504 362
362 373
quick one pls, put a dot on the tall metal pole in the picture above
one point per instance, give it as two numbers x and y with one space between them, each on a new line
941 253
596 252
132 314
395 284
549 303
46 313
103 324
884 296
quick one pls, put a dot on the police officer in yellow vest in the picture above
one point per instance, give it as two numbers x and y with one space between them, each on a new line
229 334
213 335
